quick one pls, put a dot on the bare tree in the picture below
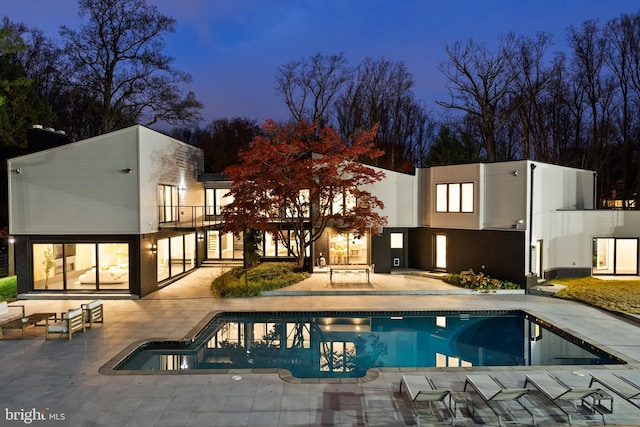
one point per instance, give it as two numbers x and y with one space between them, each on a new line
529 95
381 92
479 82
597 88
308 86
118 61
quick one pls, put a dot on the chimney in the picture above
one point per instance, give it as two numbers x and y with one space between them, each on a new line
39 139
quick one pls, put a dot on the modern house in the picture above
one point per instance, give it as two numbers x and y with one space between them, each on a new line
88 216
131 211
520 221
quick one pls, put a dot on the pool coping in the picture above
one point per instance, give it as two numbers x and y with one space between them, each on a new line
285 375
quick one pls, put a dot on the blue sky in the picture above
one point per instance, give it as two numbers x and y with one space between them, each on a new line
232 48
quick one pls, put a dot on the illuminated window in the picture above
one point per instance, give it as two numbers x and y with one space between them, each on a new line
445 361
454 197
168 203
343 203
216 199
467 197
396 241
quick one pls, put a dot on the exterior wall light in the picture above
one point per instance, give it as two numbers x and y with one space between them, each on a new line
154 248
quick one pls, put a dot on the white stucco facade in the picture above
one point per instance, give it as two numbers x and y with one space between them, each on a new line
102 185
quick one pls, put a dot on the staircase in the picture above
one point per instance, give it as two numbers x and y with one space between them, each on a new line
221 263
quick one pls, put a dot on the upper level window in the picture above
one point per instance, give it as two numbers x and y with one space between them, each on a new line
343 203
216 199
168 202
456 197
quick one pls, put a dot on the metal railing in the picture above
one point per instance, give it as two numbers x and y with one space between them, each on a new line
186 217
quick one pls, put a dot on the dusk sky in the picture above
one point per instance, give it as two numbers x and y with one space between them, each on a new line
232 48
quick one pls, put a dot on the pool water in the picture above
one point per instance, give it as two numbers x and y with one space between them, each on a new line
334 345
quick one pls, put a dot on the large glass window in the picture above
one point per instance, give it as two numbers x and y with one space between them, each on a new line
113 259
223 245
81 266
343 203
283 251
627 256
47 267
190 251
347 248
226 246
269 244
615 256
175 255
457 197
163 259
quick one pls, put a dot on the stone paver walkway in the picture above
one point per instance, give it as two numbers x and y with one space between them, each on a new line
64 375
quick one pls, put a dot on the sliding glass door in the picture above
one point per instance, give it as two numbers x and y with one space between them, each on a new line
615 256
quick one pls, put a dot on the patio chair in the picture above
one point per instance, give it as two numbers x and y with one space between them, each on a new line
557 392
93 312
421 389
621 386
494 393
72 322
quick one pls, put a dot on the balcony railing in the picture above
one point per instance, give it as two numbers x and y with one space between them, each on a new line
186 217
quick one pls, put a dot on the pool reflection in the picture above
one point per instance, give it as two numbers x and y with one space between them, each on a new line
327 345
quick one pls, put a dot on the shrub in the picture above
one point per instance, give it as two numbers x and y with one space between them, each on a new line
8 288
477 281
264 277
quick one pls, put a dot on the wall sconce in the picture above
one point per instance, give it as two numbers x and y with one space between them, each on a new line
201 237
12 240
126 170
182 189
515 172
154 248
18 171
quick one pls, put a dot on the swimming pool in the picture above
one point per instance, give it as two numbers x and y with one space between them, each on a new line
347 344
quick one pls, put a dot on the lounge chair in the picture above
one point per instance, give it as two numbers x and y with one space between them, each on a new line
557 392
93 312
621 386
421 389
72 322
492 391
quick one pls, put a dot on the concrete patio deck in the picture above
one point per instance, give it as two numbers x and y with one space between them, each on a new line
63 375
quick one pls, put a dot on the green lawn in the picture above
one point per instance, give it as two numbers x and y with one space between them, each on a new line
8 288
613 295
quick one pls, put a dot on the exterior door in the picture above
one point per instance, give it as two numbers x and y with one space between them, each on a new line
538 259
615 256
441 252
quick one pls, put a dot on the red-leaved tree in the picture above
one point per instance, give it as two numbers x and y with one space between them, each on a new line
300 178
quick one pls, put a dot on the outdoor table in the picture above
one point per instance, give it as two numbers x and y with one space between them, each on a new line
348 269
